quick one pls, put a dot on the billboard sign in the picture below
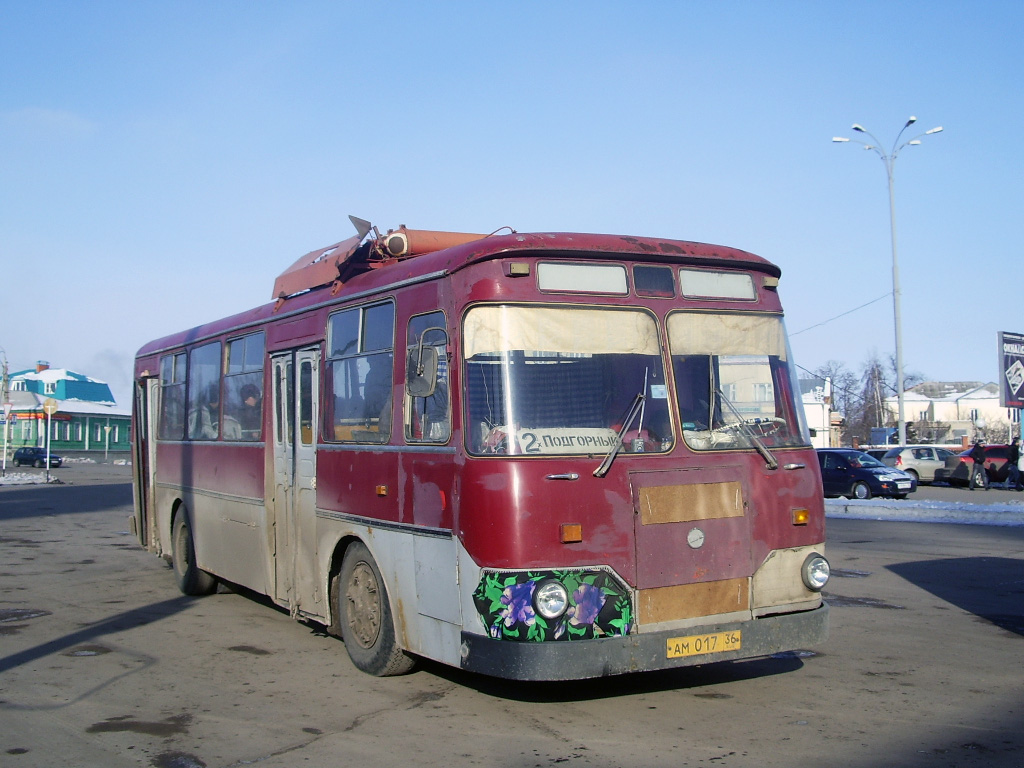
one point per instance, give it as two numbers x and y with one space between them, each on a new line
1011 364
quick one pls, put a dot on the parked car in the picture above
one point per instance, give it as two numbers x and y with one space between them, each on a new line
36 457
848 472
877 453
959 465
925 462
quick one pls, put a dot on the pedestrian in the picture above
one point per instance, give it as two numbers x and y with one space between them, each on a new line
978 474
1012 464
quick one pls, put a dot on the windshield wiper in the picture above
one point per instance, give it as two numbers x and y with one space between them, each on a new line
634 411
770 460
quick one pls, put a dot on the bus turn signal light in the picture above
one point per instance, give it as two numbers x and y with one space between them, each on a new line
801 517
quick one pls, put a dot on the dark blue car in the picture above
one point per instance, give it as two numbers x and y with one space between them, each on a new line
855 474
36 457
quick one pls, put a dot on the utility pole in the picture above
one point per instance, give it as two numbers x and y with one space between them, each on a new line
5 402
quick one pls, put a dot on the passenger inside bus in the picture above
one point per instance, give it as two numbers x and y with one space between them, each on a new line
251 416
204 416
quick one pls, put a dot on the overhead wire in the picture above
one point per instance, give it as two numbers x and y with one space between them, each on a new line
849 311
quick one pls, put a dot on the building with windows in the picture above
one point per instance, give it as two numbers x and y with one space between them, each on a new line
87 424
822 422
957 412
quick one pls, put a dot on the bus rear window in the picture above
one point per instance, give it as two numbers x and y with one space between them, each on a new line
654 281
582 278
702 284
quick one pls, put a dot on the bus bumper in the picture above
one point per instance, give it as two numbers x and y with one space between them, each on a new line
580 659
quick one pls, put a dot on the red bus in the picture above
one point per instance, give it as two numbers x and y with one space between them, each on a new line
533 456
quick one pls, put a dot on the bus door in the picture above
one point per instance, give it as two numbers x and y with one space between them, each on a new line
296 396
144 457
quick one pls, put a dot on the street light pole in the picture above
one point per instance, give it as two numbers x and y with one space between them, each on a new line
889 160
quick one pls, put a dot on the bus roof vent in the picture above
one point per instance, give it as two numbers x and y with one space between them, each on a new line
340 262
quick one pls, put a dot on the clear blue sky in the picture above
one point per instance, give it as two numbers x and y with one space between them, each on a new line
162 162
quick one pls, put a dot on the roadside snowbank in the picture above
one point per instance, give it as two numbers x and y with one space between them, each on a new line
907 511
24 478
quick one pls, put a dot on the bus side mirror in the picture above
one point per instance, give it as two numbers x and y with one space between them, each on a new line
421 372
421 366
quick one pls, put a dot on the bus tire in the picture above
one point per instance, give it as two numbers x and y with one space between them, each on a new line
364 612
192 580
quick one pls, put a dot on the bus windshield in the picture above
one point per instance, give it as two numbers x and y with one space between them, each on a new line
734 381
556 380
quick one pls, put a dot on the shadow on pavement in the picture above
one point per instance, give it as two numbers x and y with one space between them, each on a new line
44 500
117 623
684 678
992 588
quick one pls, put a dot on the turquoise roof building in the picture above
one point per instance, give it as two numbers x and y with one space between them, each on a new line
88 423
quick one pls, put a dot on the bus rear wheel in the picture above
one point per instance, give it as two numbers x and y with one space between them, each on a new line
192 580
364 613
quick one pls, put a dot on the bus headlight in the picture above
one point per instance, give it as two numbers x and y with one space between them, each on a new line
815 572
550 599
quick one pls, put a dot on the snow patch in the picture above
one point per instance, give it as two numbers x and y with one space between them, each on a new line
902 511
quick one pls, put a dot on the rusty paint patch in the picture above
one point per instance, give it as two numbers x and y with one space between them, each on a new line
671 248
171 726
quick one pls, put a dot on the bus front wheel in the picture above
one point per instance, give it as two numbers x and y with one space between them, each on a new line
364 614
192 580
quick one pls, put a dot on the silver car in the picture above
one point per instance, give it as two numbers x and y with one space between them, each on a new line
921 461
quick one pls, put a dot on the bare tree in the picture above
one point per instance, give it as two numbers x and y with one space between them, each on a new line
861 399
845 395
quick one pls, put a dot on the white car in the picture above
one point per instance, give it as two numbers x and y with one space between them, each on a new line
921 461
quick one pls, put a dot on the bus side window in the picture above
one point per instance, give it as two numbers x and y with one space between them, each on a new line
204 392
172 397
243 388
360 374
428 419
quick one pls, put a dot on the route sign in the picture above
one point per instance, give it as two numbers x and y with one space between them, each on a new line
50 406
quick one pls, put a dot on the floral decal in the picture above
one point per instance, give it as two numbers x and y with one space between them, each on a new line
599 606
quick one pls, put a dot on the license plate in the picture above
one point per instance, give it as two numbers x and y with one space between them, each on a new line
697 645
903 484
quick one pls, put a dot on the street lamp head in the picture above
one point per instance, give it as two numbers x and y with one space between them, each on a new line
933 130
910 122
839 138
915 142
858 127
